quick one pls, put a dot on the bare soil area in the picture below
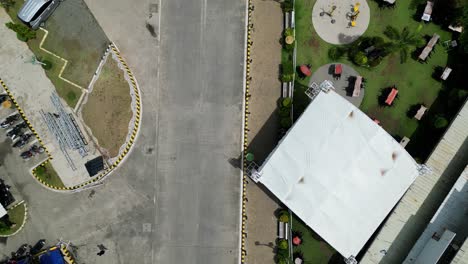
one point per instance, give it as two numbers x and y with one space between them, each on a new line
107 111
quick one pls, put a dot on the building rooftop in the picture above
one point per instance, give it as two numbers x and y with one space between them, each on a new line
450 217
339 172
409 218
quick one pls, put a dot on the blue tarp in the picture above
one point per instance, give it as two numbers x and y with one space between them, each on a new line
51 257
23 261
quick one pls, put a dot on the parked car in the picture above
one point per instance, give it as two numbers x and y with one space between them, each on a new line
9 121
34 12
37 247
3 98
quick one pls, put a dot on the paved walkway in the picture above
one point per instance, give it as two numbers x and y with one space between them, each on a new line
263 124
344 86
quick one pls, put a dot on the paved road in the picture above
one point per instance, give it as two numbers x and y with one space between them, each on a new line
175 199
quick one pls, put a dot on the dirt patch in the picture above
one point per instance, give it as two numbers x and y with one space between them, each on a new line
392 66
107 111
314 42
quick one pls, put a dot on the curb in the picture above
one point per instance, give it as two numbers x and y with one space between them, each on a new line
67 255
246 113
24 221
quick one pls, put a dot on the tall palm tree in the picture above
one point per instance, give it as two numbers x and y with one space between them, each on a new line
401 42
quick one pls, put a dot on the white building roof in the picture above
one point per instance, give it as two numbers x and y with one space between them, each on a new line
339 171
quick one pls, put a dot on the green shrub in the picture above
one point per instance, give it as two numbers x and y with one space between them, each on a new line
283 244
23 33
4 227
360 58
375 62
286 102
282 260
284 111
287 6
284 218
285 122
288 32
440 122
289 47
47 65
283 212
287 77
335 53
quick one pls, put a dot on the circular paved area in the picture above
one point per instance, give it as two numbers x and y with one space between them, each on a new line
340 32
343 86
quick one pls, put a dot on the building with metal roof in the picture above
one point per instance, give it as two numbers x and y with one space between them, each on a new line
338 171
447 230
413 213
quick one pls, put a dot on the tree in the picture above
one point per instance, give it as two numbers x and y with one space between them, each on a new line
401 42
464 34
23 33
336 53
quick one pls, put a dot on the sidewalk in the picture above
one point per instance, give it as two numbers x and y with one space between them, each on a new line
265 90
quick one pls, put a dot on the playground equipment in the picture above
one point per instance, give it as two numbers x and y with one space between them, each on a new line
352 16
329 13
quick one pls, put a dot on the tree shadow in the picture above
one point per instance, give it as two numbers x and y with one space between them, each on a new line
347 39
412 110
336 259
437 72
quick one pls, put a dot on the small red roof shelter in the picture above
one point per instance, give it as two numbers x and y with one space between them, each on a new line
391 96
305 70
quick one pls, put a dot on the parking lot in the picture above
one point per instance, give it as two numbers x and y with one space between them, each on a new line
53 120
18 157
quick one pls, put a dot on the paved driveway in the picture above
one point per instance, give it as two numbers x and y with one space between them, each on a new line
175 199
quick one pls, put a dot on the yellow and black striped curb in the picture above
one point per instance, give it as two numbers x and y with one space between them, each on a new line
26 120
24 218
129 143
246 129
67 256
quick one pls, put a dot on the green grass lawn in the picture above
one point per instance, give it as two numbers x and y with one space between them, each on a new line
68 92
16 216
48 174
412 78
314 250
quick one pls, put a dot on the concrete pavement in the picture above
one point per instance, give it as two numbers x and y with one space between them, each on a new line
176 197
